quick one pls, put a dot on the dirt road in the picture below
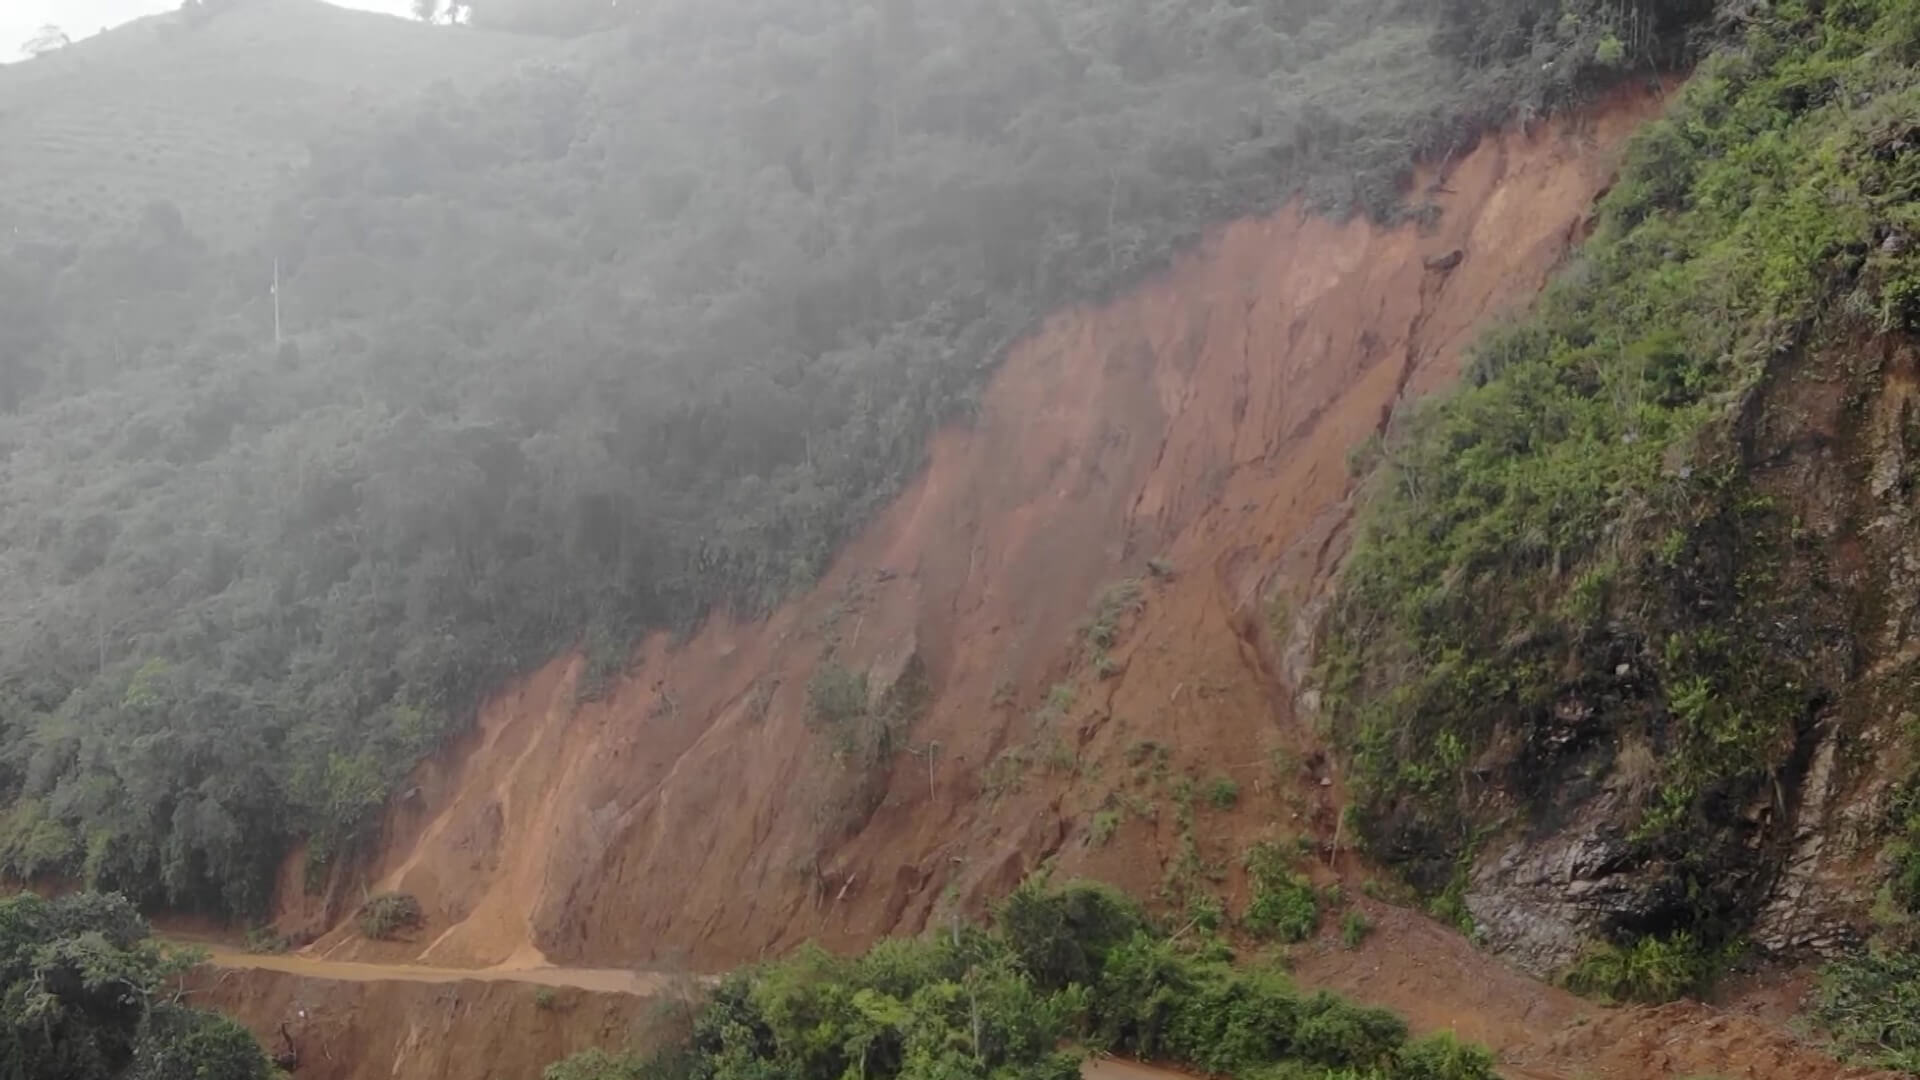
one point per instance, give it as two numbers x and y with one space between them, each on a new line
599 980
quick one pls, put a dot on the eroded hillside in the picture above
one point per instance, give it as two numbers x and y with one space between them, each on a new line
1096 581
1093 606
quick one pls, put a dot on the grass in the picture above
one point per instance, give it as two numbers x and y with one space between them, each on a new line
1101 630
1651 970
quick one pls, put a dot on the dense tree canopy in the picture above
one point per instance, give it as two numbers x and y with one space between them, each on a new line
647 326
84 996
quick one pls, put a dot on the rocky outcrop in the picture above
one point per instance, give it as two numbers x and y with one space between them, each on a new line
1833 437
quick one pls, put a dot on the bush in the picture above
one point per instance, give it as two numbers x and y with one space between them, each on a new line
836 697
1062 935
970 1004
1284 904
387 915
1223 793
1650 971
1104 824
1354 929
1442 1057
1869 1005
546 999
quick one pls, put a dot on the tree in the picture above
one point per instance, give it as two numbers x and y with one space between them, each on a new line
82 997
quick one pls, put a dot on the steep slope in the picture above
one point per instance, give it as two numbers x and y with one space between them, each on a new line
579 348
1202 423
1624 663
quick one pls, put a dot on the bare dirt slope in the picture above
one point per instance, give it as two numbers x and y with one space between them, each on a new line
352 1028
1203 421
1188 443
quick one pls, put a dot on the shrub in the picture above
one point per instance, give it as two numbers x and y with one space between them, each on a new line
546 999
1284 904
836 697
1222 793
1651 970
1354 929
385 915
1869 1005
1442 1057
1063 935
977 1003
1343 1035
1104 824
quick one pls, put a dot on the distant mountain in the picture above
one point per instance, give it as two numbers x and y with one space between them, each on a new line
212 108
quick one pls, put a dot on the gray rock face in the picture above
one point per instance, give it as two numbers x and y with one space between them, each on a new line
1539 897
1794 865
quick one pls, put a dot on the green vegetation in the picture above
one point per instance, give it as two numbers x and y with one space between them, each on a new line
1869 1004
1102 628
1284 903
1354 928
1223 793
1063 971
1567 567
84 995
573 348
265 940
1104 825
1651 970
546 999
248 84
865 735
387 915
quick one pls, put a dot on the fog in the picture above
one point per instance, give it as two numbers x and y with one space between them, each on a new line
20 20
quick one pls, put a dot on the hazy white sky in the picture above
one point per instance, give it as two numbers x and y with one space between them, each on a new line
19 19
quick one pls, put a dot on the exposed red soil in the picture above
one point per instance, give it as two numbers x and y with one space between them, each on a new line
1204 420
1440 982
421 1029
1192 436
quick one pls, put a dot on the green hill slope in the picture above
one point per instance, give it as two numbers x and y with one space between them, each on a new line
1620 597
212 109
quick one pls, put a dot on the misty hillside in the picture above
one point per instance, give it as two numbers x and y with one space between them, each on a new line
581 336
213 109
